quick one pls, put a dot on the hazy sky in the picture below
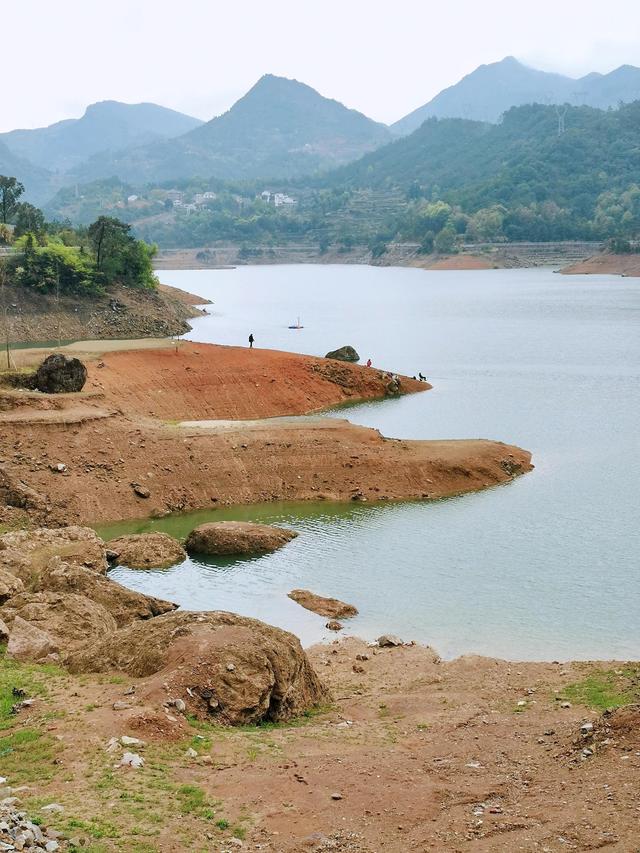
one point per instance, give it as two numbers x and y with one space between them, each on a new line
199 56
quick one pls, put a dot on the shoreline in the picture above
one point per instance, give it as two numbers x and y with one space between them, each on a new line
126 435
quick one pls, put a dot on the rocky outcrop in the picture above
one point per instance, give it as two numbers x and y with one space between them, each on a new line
222 666
346 353
9 585
124 605
29 643
59 374
68 619
236 537
26 552
55 597
145 551
332 608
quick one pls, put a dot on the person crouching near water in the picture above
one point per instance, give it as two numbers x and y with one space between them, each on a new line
251 340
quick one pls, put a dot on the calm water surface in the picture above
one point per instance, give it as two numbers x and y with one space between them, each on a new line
546 567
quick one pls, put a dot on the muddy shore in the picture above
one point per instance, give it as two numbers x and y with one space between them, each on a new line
131 431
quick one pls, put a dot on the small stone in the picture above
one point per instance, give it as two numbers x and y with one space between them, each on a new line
125 740
53 807
521 703
586 728
362 657
51 846
121 706
129 691
336 796
565 704
388 640
191 753
334 625
179 705
231 667
140 491
132 759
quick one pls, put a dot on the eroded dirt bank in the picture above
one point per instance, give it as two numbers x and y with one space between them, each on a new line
122 312
121 449
606 264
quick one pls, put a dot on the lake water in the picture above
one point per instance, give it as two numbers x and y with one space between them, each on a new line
546 567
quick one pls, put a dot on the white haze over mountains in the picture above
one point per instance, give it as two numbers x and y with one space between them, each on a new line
199 56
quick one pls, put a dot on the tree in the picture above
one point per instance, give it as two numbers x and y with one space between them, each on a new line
29 219
109 239
445 241
10 191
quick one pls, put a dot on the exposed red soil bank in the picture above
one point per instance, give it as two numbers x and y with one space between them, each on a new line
606 264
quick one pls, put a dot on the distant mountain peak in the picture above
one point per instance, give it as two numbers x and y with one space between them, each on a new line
488 92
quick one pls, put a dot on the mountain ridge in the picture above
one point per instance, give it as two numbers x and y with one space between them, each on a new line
486 93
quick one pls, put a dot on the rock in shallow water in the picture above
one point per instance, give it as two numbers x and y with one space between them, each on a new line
332 608
236 537
145 551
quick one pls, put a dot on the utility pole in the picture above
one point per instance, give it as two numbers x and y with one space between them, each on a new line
561 117
5 315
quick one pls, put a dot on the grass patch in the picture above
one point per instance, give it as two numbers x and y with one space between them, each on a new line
28 755
31 678
604 689
193 800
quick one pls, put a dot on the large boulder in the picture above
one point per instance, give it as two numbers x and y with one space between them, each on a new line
345 353
228 668
145 551
10 585
68 619
26 552
29 643
332 608
236 537
59 374
124 605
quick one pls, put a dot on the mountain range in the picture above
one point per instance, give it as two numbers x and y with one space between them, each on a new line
280 129
490 90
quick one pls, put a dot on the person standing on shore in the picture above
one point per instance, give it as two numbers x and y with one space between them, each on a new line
251 340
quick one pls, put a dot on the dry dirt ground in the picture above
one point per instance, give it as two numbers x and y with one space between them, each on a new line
412 754
606 264
121 448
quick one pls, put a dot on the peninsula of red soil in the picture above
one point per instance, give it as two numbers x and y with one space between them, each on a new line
134 443
606 264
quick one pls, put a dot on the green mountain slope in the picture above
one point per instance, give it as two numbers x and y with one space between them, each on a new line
523 160
279 128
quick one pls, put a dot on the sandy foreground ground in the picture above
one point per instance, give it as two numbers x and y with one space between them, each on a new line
128 447
411 754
